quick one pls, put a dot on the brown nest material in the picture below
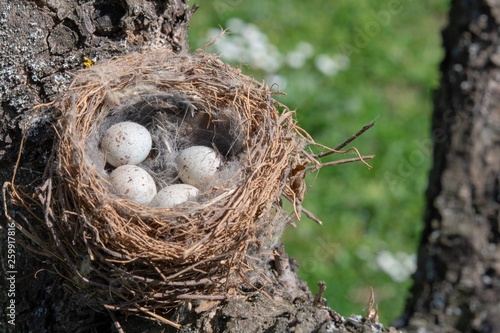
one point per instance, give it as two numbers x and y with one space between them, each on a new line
143 259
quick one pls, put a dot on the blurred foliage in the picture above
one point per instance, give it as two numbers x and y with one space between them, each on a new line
394 51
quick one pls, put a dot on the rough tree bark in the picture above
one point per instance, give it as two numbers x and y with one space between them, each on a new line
41 42
457 284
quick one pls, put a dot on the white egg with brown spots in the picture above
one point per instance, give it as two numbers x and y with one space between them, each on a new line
198 165
174 195
134 183
126 143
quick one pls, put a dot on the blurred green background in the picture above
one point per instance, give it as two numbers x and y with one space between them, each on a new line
343 64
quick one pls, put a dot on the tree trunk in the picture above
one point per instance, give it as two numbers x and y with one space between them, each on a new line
41 42
457 284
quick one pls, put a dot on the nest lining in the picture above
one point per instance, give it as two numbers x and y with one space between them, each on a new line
138 258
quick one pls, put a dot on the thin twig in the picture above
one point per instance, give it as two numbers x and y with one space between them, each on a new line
115 321
344 161
371 313
215 39
311 216
346 142
203 297
160 318
319 301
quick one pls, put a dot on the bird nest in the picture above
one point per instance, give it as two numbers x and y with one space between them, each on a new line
143 259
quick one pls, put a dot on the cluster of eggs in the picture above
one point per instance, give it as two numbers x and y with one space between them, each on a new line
128 144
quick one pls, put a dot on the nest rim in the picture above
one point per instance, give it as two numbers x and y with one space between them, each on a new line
214 263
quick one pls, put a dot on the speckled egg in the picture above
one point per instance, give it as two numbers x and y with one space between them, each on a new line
126 143
134 183
197 165
173 195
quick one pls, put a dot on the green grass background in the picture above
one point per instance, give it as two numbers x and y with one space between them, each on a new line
390 79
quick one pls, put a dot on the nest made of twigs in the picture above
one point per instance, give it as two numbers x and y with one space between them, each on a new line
144 259
139 257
